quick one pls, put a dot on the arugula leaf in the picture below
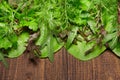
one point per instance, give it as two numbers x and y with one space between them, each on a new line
43 36
50 48
71 36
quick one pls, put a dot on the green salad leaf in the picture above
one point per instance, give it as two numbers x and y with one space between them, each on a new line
21 46
86 51
85 28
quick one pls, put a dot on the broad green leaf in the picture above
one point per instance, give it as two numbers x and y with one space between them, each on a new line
22 43
79 50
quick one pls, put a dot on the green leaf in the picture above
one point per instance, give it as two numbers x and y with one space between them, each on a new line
12 37
50 48
113 42
33 25
30 24
79 50
109 37
5 43
92 25
107 20
43 36
81 19
3 30
85 4
5 6
2 24
3 59
116 50
71 36
22 43
56 47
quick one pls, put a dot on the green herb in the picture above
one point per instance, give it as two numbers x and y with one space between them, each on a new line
86 28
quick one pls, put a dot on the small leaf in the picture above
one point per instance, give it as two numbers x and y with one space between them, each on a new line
33 25
30 24
50 48
71 36
5 43
43 36
12 37
109 37
116 50
3 59
92 25
113 42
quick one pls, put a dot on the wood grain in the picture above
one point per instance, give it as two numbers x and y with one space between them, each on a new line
65 67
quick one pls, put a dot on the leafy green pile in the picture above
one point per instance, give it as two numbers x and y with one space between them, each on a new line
85 28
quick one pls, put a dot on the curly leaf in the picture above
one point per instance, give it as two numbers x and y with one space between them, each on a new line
5 43
22 43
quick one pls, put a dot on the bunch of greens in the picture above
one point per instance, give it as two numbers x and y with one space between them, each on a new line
85 28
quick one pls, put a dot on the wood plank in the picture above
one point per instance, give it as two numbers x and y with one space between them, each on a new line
65 67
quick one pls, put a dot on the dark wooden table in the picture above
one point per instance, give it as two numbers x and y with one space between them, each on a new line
65 67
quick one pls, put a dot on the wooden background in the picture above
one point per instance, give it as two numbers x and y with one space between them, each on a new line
65 67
